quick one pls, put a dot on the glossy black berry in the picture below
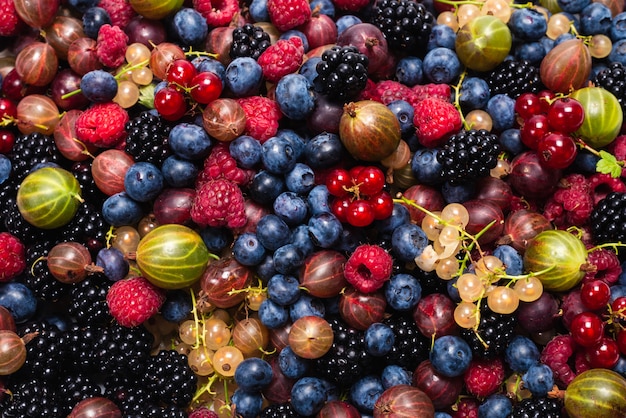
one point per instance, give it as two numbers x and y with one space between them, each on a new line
342 72
249 41
514 77
406 24
468 155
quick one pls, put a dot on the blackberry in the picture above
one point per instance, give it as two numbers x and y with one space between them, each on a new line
37 276
513 78
148 138
15 223
249 41
468 155
46 353
342 72
88 189
82 340
495 331
73 388
410 347
344 363
125 350
88 303
31 398
129 394
537 408
406 24
169 376
87 227
31 150
613 79
279 410
608 219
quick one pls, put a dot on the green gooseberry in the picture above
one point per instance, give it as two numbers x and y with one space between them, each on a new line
483 43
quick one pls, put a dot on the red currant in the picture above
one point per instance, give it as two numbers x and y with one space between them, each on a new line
181 72
533 130
557 150
205 87
7 140
566 115
360 213
339 207
170 103
603 355
618 308
527 105
8 109
545 99
338 181
587 329
595 294
354 171
620 339
370 180
382 203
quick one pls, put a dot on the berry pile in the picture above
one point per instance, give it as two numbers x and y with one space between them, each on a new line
333 208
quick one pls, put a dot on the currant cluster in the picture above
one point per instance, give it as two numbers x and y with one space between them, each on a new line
134 75
547 124
185 87
359 195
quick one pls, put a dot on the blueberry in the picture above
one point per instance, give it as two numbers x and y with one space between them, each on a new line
18 299
533 52
266 187
189 27
345 21
295 139
442 415
501 109
325 229
512 259
120 209
441 36
452 289
295 97
324 150
393 375
528 24
143 181
93 19
618 27
586 162
474 93
538 379
495 406
5 168
450 355
83 5
326 7
403 111
288 258
441 65
266 269
190 141
408 241
203 64
399 215
403 292
216 239
258 11
318 199
283 289
379 339
98 86
308 395
409 71
113 262
308 69
425 167
365 392
301 238
247 404
572 6
620 367
246 151
291 208
243 77
179 172
351 238
618 52
292 365
272 232
278 155
563 37
273 315
247 249
253 374
511 141
177 306
301 179
458 192
521 353
306 305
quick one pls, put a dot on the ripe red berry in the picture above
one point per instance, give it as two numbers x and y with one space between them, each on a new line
205 87
566 115
533 130
620 339
360 213
370 180
7 140
595 294
339 207
382 204
338 181
181 72
603 355
170 103
587 329
557 150
527 105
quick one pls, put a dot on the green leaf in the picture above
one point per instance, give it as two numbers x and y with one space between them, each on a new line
608 164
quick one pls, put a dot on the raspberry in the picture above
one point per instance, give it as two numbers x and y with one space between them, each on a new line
120 11
440 91
132 301
111 46
217 12
368 268
602 184
350 5
282 58
262 116
202 412
287 14
484 377
387 91
435 121
10 24
556 355
607 266
618 149
466 408
572 203
102 125
220 163
12 256
217 203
